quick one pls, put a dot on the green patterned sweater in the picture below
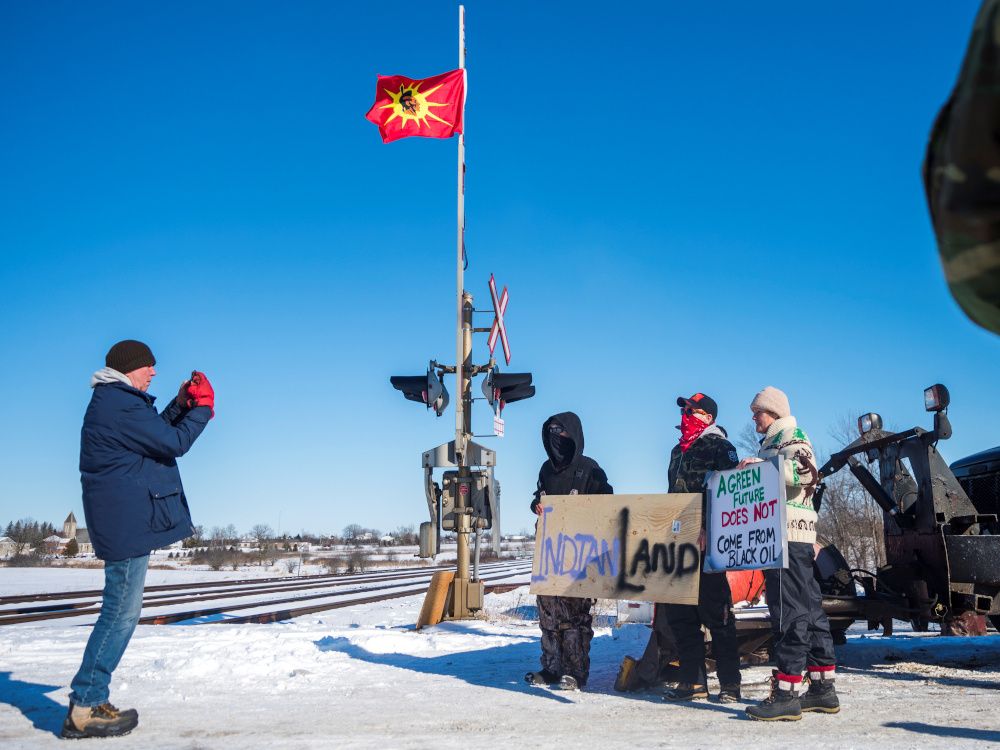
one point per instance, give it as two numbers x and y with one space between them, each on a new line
784 438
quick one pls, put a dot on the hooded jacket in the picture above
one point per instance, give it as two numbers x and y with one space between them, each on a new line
711 451
132 494
576 473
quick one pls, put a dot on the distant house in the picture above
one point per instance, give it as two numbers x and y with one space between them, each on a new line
8 547
56 545
247 544
387 540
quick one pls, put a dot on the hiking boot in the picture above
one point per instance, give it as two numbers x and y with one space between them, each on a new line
625 681
98 721
821 697
685 691
781 705
569 682
541 678
730 694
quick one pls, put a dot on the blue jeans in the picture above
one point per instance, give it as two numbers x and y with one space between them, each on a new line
123 582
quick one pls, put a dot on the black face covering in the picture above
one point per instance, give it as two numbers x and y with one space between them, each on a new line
562 449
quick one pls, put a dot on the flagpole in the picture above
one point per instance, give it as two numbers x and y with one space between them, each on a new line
459 338
461 589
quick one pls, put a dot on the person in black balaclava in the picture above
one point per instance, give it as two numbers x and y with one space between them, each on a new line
565 620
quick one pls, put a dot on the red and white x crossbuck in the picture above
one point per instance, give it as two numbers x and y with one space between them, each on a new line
498 329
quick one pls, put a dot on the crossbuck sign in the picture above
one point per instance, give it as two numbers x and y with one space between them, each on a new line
499 308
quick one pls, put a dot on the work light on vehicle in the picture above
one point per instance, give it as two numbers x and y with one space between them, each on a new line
936 398
869 422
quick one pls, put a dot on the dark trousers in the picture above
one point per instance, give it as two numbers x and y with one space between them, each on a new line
660 650
798 622
566 634
715 612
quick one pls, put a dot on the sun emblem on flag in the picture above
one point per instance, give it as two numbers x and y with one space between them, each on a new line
412 105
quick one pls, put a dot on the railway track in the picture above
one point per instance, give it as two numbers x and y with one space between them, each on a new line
254 599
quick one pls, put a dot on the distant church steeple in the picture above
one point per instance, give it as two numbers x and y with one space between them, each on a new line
69 527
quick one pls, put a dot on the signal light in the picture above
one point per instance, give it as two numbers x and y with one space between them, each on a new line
425 389
507 387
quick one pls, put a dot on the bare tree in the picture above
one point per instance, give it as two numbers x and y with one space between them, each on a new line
21 534
28 533
353 532
217 536
358 561
407 535
262 535
850 518
747 441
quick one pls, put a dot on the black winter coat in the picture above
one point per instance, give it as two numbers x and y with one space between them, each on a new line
688 469
132 493
579 473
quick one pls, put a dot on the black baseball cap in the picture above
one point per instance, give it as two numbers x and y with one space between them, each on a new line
700 401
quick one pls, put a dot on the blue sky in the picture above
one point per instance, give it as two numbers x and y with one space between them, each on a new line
679 196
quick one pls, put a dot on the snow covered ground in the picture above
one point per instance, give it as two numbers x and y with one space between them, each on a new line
363 677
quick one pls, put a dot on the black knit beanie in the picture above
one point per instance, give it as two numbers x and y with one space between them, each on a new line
129 355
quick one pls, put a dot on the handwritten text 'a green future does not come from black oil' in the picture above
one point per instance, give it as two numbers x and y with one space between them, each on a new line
746 519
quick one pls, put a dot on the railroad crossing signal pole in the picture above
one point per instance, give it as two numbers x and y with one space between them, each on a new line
466 595
468 501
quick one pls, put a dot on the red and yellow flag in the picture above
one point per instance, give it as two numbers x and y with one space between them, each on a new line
430 107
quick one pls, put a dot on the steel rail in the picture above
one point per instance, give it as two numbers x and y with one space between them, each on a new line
290 584
416 577
48 596
288 614
167 619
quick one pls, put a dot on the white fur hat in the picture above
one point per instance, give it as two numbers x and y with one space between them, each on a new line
772 400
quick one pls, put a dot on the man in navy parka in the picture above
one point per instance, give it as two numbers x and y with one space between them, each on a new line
134 503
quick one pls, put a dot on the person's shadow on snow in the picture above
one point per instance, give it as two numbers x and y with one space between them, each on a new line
500 667
31 700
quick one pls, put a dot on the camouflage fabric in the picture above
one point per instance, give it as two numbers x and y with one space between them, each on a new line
566 624
962 176
710 452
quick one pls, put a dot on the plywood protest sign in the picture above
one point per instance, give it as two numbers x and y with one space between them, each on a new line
746 518
618 547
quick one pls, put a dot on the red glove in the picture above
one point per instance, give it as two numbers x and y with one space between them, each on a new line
200 392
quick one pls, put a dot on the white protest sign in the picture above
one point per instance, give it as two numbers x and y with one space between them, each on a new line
746 518
618 547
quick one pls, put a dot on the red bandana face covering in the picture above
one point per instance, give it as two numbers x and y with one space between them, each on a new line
691 429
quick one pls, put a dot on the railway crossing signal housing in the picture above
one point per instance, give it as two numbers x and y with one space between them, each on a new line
477 488
425 389
507 387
